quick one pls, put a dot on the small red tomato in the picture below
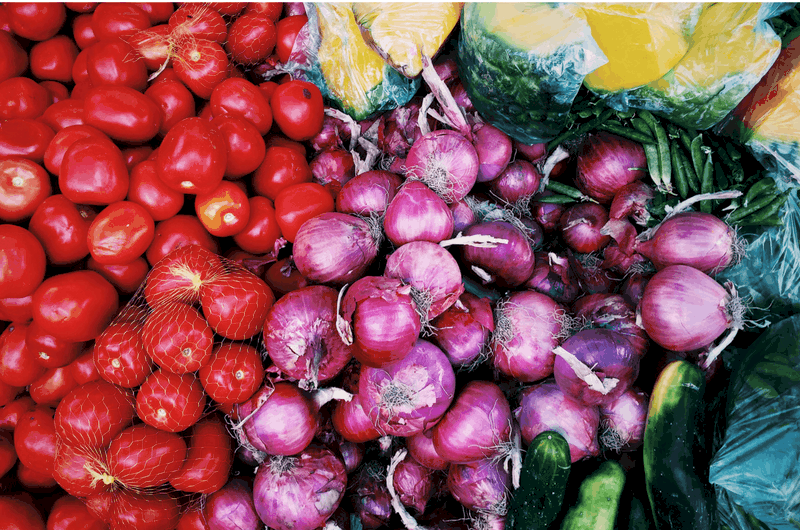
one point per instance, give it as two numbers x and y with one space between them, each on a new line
62 228
8 456
24 139
33 480
272 10
50 351
75 306
51 387
154 45
83 31
120 233
297 204
143 456
24 185
236 304
120 357
179 276
126 277
200 64
63 114
283 277
36 20
64 138
209 458
261 231
80 90
251 38
268 88
80 68
22 261
282 167
199 21
118 19
175 102
16 309
15 60
115 62
76 468
234 373
70 513
192 157
8 393
158 12
227 8
298 110
93 172
224 211
146 189
276 140
287 30
170 402
135 155
177 338
144 511
81 7
35 440
83 368
168 74
246 147
58 91
18 366
18 514
13 411
53 59
241 98
22 98
93 414
122 113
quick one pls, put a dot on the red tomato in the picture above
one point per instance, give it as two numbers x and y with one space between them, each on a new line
18 366
287 30
36 20
16 309
120 357
170 402
13 411
122 113
282 167
236 304
272 10
199 21
146 189
102 504
118 19
63 114
251 38
157 11
297 204
144 511
80 68
168 74
180 275
8 393
234 373
93 172
22 98
224 211
193 519
136 155
208 462
227 8
58 91
49 351
268 88
70 513
24 185
81 7
120 233
261 231
64 138
177 338
15 59
126 277
175 102
153 44
17 514
200 64
192 157
33 480
75 306
298 110
62 227
53 59
8 457
35 440
115 62
245 145
94 413
283 277
276 140
80 90
241 98
143 456
83 31
24 139
77 468
22 261
83 368
51 387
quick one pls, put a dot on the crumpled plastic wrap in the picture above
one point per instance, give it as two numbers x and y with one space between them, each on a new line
755 472
523 63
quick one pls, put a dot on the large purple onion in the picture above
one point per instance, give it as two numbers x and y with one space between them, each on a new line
371 498
546 214
481 485
506 264
399 129
368 193
606 163
231 508
632 288
446 161
518 182
463 216
494 150
533 152
284 423
623 421
417 214
420 447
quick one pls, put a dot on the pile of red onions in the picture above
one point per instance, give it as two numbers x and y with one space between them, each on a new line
606 163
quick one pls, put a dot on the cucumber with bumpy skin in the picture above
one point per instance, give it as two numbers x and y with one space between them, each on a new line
598 499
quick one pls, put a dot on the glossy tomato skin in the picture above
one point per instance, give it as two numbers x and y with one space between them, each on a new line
62 227
24 138
36 21
152 511
58 91
227 8
93 414
298 109
158 12
282 167
22 261
199 21
261 231
22 98
175 102
120 356
136 154
63 139
251 38
122 113
178 277
20 515
80 68
93 172
192 519
297 204
24 185
153 44
120 233
53 59
126 277
170 402
234 373
245 146
271 10
70 513
64 113
143 456
83 31
192 157
286 32
16 309
118 19
200 64
83 368
16 60
224 211
8 457
75 306
208 462
146 189
177 338
236 304
50 351
35 439
115 62
18 366
8 393
72 469
13 411
52 386
283 277
241 98
178 231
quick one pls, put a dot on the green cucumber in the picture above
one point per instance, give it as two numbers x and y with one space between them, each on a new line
542 483
679 498
598 499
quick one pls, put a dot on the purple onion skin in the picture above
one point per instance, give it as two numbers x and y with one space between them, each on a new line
510 264
417 214
350 420
249 458
494 151
331 135
285 423
414 484
612 312
332 169
610 354
461 97
534 232
632 288
547 215
481 485
631 200
519 181
368 193
553 276
592 278
606 163
303 496
372 502
446 161
352 455
580 227
627 417
294 8
399 129
463 216
533 153
232 508
421 449
462 338
545 407
447 70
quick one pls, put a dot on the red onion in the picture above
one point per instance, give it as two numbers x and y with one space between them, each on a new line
533 153
494 150
533 231
299 492
284 422
518 182
368 193
446 161
352 454
461 97
381 319
332 168
417 214
231 508
632 288
697 239
462 332
293 8
595 366
350 420
606 163
433 273
580 227
335 247
553 276
631 200
623 421
283 277
591 276
420 447
399 129
611 311
408 396
463 216
371 499
446 69
481 485
528 325
250 456
301 338
506 264
333 132
477 426
544 407
546 214
414 483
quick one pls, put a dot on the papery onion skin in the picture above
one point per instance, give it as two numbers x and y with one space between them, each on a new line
231 508
606 163
545 407
334 248
420 447
580 227
613 312
285 423
445 161
626 416
476 426
333 132
519 181
459 333
332 169
683 309
509 263
546 214
301 493
350 420
481 485
414 483
697 239
461 97
632 289
592 278
463 216
368 193
553 276
352 454
371 500
631 200
417 214
494 151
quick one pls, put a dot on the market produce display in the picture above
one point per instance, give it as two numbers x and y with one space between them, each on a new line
313 266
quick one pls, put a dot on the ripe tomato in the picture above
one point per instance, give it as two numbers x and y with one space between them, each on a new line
245 146
153 45
80 469
287 30
63 114
180 275
192 157
58 91
122 113
199 21
283 277
176 232
53 59
276 140
8 393
175 102
24 185
93 172
143 456
62 228
126 277
48 350
75 306
114 62
8 457
83 368
177 338
63 139
93 414
236 304
120 357
80 68
34 481
83 31
282 167
200 64
18 514
298 110
208 462
13 411
227 8
70 513
272 10
251 38
22 261
158 12
135 155
297 204
22 98
35 439
118 19
120 233
18 366
16 309
261 231
24 139
149 191
36 20
144 511
224 211
15 59
234 373
170 402
241 98
51 387
192 518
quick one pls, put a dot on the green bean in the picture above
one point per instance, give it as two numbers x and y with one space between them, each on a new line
757 383
794 14
650 152
780 370
628 133
765 185
707 183
772 208
721 178
696 148
584 128
756 205
681 183
733 166
563 189
773 220
628 114
776 358
733 152
665 162
691 177
556 199
685 140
